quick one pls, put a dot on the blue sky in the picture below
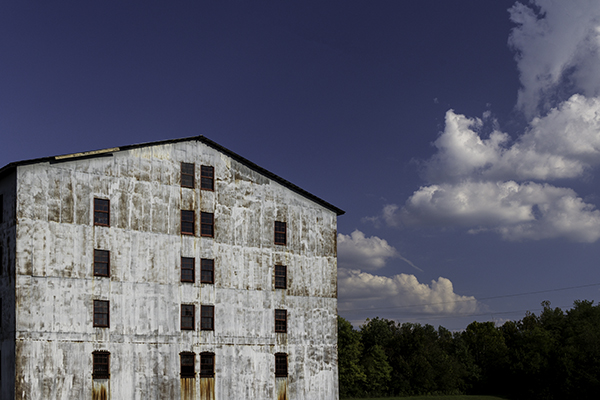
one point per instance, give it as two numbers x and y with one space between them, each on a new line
462 138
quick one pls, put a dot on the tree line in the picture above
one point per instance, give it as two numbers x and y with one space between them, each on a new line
553 355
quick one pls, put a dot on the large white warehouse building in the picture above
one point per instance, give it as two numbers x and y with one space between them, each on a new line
165 270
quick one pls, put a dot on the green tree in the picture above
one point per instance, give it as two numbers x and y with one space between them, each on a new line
376 336
582 350
378 371
490 354
351 372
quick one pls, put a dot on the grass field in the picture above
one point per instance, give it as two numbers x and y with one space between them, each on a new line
459 397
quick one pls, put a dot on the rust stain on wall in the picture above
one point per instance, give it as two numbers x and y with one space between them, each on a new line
281 384
207 388
100 390
188 388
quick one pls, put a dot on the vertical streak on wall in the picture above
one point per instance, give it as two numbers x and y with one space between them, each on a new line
188 388
281 384
207 388
100 389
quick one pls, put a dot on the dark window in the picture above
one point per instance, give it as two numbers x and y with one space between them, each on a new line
208 318
188 267
188 367
1 208
101 313
188 317
207 224
187 174
1 260
101 212
101 365
101 262
207 177
207 364
208 271
281 366
280 277
281 321
280 233
187 222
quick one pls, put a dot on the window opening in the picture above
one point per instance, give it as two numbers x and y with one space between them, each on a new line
187 366
101 314
280 233
280 277
208 271
187 174
101 369
101 262
187 222
101 212
207 224
207 177
187 317
208 318
207 364
188 266
281 365
281 321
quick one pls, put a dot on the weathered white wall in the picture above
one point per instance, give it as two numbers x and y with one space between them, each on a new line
56 287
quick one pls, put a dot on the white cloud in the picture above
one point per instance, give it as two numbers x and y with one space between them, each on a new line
485 181
563 144
366 253
516 211
557 47
361 290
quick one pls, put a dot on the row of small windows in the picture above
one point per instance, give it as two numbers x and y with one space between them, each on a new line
188 364
188 178
187 360
188 317
188 269
188 222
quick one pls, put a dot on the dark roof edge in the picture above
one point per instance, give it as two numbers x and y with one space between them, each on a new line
7 168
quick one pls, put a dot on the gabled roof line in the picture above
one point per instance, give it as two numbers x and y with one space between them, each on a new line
107 152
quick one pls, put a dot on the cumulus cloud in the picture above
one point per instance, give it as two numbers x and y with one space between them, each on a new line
367 253
562 144
557 49
516 211
482 179
362 290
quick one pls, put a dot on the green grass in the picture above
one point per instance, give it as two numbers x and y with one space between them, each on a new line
457 397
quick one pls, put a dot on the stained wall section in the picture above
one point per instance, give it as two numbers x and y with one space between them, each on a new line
55 286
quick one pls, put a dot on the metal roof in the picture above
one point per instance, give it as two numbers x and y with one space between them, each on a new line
104 152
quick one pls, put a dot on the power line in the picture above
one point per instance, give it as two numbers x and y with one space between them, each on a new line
465 315
473 299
